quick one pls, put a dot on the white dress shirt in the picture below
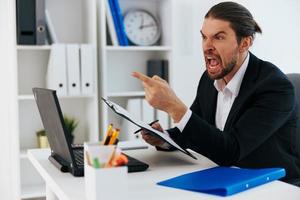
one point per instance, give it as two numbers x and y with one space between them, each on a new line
226 96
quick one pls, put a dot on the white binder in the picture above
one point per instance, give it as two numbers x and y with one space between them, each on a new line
147 112
50 28
56 77
87 69
163 118
73 69
134 106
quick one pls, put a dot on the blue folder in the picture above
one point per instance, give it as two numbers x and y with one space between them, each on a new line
116 23
120 22
224 181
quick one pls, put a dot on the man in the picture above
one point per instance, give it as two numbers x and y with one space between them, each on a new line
244 113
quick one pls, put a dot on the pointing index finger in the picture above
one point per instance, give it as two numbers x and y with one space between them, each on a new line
142 77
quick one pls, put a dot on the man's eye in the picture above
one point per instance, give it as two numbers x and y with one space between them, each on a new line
219 38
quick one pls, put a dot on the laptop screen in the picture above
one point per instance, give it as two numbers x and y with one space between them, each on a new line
52 119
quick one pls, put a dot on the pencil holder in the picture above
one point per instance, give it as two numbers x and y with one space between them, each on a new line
105 183
102 182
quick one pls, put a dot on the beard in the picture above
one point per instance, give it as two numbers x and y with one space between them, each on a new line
228 67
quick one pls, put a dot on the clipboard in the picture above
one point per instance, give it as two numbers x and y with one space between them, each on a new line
125 114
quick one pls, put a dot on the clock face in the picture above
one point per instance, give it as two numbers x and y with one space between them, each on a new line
141 27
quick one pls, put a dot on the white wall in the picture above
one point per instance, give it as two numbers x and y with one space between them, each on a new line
279 43
9 168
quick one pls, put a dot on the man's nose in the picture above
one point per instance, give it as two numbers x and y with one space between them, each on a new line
207 45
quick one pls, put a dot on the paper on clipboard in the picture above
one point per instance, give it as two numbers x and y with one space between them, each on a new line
125 114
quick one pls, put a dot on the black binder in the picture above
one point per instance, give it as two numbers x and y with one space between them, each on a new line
31 25
159 68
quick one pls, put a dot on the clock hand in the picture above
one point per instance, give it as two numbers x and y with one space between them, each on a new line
142 22
148 25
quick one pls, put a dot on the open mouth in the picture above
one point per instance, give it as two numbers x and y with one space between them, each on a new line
213 64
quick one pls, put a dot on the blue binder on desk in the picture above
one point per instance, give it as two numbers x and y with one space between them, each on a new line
224 181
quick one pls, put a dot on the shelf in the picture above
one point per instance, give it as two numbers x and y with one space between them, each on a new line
33 191
23 154
75 22
34 47
31 97
127 94
138 48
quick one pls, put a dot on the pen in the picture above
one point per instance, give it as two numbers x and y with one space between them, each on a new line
149 124
96 163
114 136
108 134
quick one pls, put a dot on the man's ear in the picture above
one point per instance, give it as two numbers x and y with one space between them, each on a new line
245 44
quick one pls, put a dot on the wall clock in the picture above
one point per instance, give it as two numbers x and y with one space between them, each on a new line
142 28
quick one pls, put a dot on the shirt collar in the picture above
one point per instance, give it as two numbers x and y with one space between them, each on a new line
233 86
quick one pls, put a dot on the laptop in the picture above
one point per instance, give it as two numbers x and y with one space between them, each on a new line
64 155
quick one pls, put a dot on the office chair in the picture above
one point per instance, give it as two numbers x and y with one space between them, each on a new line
295 79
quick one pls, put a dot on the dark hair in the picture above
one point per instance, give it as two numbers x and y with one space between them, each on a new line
239 17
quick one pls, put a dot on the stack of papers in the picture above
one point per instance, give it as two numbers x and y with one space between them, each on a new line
132 144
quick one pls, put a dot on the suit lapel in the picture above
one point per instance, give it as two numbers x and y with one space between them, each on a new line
212 106
245 90
208 100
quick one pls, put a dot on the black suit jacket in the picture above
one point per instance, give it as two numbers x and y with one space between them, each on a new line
260 130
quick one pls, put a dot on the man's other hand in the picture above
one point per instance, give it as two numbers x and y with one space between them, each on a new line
153 140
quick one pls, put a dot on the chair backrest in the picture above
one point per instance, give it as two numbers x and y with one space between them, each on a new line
295 79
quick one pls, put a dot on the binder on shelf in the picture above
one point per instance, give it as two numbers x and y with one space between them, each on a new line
56 77
147 112
233 180
73 69
87 69
31 25
163 118
40 22
134 106
121 22
26 33
118 22
51 34
111 26
115 20
159 68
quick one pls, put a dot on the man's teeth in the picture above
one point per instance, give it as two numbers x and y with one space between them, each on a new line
212 61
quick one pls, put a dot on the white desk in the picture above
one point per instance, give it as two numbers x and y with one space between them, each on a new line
142 185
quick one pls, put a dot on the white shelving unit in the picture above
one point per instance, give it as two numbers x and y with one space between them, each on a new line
127 94
33 47
74 22
137 48
117 62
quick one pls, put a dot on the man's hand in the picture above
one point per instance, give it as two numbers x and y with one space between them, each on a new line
155 141
160 96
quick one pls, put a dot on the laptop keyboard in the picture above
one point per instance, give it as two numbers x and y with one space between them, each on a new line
78 154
